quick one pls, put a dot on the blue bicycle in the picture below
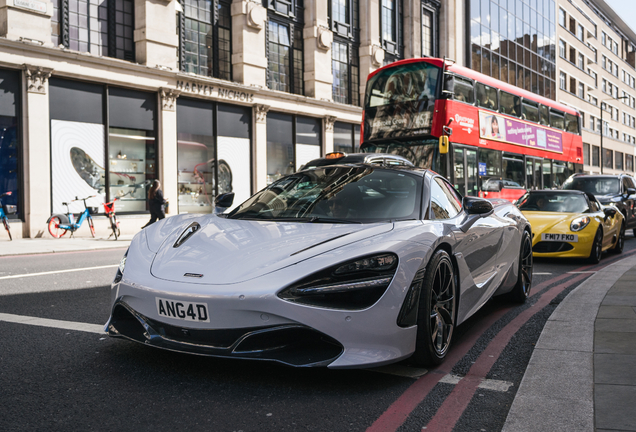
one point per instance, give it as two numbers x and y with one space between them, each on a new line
60 223
6 209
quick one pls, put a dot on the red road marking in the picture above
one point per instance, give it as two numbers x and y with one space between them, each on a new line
399 410
455 403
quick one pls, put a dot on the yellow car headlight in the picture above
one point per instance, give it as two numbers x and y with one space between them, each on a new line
579 223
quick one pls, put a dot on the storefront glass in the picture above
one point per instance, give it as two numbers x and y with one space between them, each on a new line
132 150
9 139
346 137
307 140
280 146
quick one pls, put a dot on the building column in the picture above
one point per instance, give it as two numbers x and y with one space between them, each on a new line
36 161
155 43
412 21
259 162
168 148
452 31
26 20
317 50
328 133
371 52
249 62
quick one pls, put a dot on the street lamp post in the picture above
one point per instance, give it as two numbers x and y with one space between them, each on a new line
603 126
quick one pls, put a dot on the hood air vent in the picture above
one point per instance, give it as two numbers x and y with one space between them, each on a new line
185 235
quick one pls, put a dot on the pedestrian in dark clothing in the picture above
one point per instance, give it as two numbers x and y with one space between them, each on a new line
156 203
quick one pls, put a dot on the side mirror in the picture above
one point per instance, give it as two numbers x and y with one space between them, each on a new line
493 186
477 206
609 211
443 144
630 191
223 201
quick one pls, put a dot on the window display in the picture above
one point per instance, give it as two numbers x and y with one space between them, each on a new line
9 138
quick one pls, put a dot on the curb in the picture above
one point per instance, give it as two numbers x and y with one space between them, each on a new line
556 392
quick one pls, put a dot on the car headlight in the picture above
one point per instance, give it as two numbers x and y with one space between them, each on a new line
579 223
352 285
120 269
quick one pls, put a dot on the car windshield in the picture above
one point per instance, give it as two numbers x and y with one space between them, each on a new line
596 186
553 202
338 194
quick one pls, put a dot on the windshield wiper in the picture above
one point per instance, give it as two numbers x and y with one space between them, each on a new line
331 220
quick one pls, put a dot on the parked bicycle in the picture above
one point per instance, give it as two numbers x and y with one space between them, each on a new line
5 210
109 209
60 223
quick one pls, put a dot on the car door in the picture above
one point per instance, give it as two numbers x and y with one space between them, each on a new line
476 249
628 202
608 223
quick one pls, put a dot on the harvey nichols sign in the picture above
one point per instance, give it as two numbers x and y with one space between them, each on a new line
208 90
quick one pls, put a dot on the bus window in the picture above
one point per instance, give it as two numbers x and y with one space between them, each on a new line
464 91
572 124
544 115
422 153
530 110
489 165
557 119
547 174
562 170
509 104
486 96
513 171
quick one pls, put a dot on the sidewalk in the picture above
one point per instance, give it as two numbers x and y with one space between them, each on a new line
50 245
582 374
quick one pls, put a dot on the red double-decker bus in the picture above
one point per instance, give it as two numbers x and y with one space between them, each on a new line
489 138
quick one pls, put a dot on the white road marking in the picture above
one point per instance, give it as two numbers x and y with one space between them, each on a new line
486 384
58 271
540 274
44 322
583 272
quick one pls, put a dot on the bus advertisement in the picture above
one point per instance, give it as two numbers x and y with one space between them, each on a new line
502 140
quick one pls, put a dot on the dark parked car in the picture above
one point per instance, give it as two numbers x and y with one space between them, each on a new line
619 190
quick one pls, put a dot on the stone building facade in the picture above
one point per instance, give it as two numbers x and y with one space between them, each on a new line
596 53
101 97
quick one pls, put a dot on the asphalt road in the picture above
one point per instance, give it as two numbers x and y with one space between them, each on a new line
59 378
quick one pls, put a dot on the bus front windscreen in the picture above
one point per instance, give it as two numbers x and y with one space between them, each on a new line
400 101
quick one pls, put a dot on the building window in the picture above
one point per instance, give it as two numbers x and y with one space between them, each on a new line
586 154
430 12
344 51
391 29
285 45
579 32
515 42
562 17
581 61
618 160
563 81
595 156
101 27
562 51
608 157
206 38
284 58
629 163
581 93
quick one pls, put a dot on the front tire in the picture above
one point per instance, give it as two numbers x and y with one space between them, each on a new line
597 248
91 226
437 311
521 291
114 226
54 227
620 241
5 222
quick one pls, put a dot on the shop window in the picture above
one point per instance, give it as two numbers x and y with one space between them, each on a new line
101 27
586 154
132 148
629 163
200 145
205 29
10 142
595 156
292 141
618 160
346 137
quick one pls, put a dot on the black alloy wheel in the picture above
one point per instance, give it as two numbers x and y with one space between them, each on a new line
5 222
521 291
597 248
437 310
620 241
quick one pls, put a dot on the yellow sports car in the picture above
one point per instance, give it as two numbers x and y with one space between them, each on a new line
572 224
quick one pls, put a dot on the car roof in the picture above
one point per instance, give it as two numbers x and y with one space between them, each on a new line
411 169
607 176
341 158
557 191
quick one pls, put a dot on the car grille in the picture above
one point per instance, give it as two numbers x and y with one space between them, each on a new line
293 345
551 247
